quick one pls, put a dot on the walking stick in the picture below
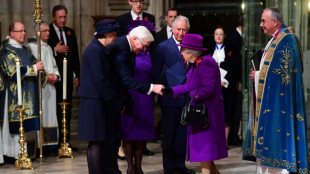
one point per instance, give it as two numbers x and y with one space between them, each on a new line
37 19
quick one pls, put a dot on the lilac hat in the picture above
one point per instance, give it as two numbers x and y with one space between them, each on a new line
193 41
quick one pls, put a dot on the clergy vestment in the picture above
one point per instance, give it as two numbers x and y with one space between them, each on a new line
10 117
277 133
49 117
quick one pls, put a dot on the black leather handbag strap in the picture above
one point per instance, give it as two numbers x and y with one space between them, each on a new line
190 103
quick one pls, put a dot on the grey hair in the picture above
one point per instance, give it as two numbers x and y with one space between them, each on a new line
41 24
196 53
142 33
181 18
275 14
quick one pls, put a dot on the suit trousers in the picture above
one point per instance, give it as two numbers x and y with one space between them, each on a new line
174 138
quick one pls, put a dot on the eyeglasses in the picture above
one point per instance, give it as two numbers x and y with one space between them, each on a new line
137 1
144 47
20 31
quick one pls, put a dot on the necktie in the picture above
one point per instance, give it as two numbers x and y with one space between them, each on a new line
61 37
138 18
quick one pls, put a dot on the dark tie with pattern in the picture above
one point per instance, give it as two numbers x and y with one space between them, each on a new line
61 37
138 18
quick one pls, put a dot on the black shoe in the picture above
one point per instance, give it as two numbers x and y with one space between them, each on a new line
121 157
147 152
166 171
185 171
237 142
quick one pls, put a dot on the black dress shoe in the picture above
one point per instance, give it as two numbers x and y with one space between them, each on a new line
237 142
166 171
121 157
185 171
147 152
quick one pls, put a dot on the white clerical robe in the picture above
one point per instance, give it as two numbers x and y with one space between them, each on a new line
49 117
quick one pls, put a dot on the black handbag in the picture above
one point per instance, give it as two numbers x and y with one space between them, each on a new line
195 114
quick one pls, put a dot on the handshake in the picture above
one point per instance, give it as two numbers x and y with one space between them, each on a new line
160 89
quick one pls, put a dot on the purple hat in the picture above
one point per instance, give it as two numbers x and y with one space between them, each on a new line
192 41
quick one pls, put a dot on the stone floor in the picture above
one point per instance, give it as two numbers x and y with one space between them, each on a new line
151 164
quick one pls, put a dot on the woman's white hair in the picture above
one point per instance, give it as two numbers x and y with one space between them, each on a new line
142 33
196 53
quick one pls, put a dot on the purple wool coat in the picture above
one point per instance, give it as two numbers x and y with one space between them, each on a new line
138 119
205 144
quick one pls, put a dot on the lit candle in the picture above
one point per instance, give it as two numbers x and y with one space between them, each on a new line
19 84
64 90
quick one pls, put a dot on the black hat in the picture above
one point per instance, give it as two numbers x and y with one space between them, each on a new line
106 26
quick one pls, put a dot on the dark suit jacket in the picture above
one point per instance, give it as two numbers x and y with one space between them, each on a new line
124 65
160 36
169 70
234 41
96 73
72 56
124 20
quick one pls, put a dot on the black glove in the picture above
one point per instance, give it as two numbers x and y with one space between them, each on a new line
168 90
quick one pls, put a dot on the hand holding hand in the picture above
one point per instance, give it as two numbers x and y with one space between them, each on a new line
61 48
40 67
158 89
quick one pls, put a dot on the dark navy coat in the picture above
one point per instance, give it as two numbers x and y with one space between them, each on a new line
96 93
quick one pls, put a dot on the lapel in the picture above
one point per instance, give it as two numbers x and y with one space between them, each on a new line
54 36
175 49
68 37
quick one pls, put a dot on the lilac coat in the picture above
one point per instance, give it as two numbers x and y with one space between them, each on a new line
205 144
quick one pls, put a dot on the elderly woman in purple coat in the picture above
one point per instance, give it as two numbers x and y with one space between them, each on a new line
138 123
204 145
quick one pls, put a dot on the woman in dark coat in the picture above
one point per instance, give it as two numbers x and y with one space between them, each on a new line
96 115
204 144
222 55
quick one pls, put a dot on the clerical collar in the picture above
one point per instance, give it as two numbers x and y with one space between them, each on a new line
129 43
134 15
14 43
275 35
219 46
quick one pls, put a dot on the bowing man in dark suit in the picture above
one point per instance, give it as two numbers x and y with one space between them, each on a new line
122 54
170 70
64 44
135 14
96 114
166 32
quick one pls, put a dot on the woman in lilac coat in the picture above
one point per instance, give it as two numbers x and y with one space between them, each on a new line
204 145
